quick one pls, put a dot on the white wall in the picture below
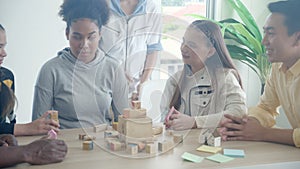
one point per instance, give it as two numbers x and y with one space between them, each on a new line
35 33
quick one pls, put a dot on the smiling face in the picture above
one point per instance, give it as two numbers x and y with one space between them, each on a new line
83 36
279 45
2 46
195 48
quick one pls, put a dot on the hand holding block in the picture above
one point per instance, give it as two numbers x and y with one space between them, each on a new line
169 115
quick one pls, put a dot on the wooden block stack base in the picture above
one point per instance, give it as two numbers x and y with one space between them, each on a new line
165 145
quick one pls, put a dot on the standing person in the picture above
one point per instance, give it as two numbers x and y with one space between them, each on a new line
7 103
43 151
282 41
81 83
209 84
132 36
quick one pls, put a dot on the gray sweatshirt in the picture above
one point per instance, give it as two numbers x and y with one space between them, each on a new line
82 93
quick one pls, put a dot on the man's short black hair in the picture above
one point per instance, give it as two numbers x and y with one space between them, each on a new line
291 11
96 10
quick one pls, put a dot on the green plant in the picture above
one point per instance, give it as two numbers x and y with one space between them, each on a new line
243 40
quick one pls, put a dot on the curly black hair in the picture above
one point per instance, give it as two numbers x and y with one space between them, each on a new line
96 10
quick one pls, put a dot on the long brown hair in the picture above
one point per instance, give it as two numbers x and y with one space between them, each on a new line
220 59
7 100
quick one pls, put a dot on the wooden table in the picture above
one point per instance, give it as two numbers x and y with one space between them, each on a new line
255 153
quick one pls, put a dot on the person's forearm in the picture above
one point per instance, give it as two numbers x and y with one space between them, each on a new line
149 66
283 136
21 130
11 155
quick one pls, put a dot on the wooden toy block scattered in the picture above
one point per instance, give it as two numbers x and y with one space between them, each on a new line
115 125
87 145
165 145
100 127
136 104
169 132
132 149
151 148
54 115
135 128
89 138
134 113
81 136
157 130
214 141
115 146
111 133
177 138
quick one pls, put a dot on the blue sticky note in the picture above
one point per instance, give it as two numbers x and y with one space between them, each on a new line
219 158
234 153
192 157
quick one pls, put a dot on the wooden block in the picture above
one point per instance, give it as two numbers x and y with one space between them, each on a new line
132 149
177 138
135 128
136 104
214 141
54 115
100 127
169 132
157 130
111 133
134 113
87 145
81 136
115 146
151 148
89 138
165 145
115 125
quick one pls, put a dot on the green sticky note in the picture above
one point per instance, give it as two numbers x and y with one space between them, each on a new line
192 157
234 152
219 158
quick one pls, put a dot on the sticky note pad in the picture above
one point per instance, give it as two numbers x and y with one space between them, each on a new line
209 149
234 152
192 157
219 158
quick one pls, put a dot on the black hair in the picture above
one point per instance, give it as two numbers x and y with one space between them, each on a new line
7 101
2 28
96 10
291 12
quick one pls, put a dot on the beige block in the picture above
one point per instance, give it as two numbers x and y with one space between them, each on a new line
111 133
132 149
157 130
115 125
134 113
151 148
177 138
54 115
100 127
115 146
135 128
89 138
87 145
81 136
136 104
165 145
